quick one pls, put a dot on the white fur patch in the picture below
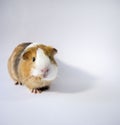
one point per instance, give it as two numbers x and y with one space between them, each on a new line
42 61
52 74
32 45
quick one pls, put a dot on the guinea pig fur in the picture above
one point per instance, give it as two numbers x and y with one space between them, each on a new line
33 65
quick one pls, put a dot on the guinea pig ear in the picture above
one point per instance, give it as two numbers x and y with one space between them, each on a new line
54 51
26 55
50 50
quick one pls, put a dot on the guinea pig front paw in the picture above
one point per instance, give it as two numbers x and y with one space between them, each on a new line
39 90
36 90
18 83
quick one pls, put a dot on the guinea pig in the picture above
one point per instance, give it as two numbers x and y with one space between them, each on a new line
33 65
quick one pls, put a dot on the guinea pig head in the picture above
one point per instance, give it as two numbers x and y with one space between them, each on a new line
41 62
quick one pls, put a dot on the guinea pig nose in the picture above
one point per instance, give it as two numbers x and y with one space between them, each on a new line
45 70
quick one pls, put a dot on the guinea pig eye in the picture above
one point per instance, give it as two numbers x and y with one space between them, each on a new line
33 59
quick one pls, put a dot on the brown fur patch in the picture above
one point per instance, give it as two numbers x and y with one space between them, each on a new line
27 62
14 59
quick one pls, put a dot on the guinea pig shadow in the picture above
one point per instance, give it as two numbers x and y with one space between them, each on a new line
71 79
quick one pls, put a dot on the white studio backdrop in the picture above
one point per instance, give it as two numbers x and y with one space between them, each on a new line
87 36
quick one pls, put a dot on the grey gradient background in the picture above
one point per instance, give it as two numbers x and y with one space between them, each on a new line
87 36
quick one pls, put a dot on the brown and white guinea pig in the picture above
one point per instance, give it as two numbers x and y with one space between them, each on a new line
33 65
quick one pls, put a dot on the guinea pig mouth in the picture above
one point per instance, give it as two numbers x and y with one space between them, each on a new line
45 72
45 75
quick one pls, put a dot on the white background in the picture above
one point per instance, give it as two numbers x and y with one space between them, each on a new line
87 36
